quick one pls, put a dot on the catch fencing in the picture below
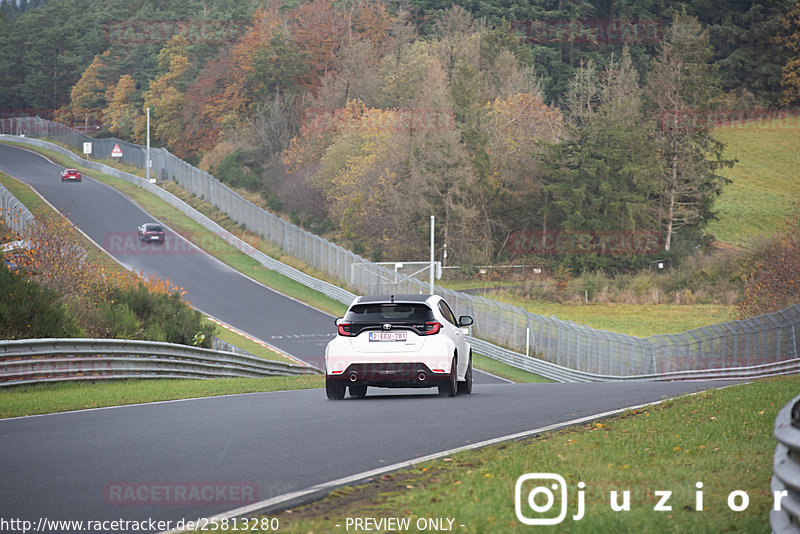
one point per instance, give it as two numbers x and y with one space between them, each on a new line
768 341
786 470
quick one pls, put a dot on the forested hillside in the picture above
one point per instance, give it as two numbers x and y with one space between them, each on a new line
509 121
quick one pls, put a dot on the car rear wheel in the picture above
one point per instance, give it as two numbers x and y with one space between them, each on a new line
334 390
449 387
465 387
358 392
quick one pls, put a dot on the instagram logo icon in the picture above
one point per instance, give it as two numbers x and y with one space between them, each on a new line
538 496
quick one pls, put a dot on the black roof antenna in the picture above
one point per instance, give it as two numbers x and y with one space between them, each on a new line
392 299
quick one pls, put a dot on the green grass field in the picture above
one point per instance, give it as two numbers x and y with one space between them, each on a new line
765 186
640 320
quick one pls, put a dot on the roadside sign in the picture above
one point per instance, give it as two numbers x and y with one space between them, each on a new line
87 148
117 152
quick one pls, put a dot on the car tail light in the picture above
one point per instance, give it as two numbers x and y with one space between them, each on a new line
344 329
432 328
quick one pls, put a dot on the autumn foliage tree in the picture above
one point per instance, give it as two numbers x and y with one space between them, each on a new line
774 282
166 96
59 292
122 116
790 73
517 128
88 96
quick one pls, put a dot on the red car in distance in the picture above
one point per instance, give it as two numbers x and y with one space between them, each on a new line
70 175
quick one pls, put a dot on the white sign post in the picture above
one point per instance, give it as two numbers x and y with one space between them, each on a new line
87 148
116 152
147 162
433 265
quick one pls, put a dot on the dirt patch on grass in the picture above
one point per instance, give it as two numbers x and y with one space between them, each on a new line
352 500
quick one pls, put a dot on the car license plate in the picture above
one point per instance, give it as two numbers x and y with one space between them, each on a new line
154 238
387 336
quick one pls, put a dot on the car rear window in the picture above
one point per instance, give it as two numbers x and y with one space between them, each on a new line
389 312
153 228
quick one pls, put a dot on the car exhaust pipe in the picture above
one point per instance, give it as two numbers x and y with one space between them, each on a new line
422 376
353 376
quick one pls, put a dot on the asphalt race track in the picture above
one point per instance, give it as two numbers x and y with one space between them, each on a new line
195 458
122 462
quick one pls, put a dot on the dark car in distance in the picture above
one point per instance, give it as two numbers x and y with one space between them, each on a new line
151 232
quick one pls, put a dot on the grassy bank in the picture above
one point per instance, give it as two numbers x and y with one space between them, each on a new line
639 320
764 188
721 438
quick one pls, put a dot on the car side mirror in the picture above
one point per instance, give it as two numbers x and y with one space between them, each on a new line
465 320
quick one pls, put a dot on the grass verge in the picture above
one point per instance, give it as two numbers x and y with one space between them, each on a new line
494 367
721 438
17 401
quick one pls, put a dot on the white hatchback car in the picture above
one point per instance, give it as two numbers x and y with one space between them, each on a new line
399 341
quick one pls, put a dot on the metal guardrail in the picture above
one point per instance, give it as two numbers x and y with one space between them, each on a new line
558 373
28 361
786 470
13 212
